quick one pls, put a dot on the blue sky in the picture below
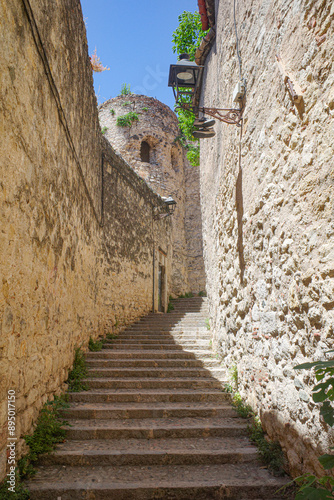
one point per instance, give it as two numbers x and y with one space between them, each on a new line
134 39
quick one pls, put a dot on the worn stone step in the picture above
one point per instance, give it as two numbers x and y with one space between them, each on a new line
133 347
153 383
143 363
186 482
151 373
182 451
155 428
148 410
149 395
137 354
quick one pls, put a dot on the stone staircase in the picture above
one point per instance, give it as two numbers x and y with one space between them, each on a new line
155 423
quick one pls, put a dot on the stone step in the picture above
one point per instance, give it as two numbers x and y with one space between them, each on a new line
186 482
152 383
181 451
186 427
151 373
148 410
133 347
162 337
150 396
144 363
137 354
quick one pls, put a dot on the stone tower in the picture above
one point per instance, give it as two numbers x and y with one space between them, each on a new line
145 131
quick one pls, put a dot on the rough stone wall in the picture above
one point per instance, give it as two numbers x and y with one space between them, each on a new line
268 226
167 172
60 270
193 229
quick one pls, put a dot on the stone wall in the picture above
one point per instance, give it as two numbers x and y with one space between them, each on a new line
69 269
268 225
167 171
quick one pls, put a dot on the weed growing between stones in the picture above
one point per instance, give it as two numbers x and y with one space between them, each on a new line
270 452
127 120
202 293
104 130
20 493
111 336
78 373
187 295
207 323
125 89
112 111
95 346
48 432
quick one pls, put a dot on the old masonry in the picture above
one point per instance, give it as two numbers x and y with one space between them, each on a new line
86 247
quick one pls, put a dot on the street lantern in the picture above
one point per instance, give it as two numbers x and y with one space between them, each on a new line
170 206
185 78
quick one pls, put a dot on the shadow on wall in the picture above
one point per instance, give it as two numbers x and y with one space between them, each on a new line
240 214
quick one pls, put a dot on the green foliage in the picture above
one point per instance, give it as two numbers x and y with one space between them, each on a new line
193 155
95 346
104 130
234 377
144 109
78 373
186 39
48 431
186 295
311 487
188 35
125 90
127 120
111 336
112 111
202 293
207 323
21 493
170 307
270 452
126 103
243 410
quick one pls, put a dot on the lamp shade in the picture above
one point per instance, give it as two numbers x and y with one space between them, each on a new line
184 73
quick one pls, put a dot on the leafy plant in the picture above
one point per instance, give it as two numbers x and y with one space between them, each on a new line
170 307
20 493
95 346
112 111
48 432
312 487
270 452
125 89
111 336
127 120
202 293
243 410
126 103
186 39
144 109
186 295
78 373
207 323
104 130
